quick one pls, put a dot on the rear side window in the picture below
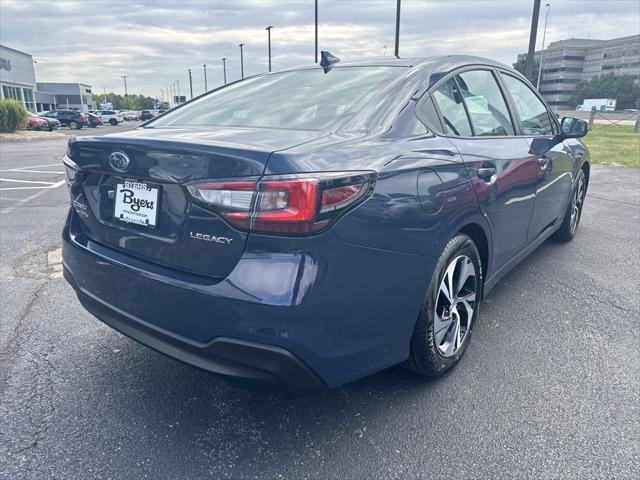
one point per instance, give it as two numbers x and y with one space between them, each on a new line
449 100
485 103
533 113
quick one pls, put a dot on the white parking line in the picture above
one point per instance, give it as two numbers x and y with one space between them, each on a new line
24 181
46 187
59 164
42 191
21 170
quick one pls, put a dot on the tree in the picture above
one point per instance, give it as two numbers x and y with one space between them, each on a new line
13 115
130 102
624 88
521 66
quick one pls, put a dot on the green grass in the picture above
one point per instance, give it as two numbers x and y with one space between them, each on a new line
614 145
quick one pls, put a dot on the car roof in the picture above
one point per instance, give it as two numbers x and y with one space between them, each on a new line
435 67
449 61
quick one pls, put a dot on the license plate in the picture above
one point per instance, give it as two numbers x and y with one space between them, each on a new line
137 202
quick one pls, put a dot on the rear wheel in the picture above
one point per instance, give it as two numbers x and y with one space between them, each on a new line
573 214
113 122
443 329
74 125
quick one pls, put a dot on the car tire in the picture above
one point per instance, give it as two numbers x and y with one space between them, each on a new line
113 122
74 125
438 341
572 216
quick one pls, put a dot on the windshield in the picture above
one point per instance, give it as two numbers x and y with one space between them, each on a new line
302 99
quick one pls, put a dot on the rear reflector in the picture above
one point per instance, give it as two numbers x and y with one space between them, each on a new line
334 198
284 204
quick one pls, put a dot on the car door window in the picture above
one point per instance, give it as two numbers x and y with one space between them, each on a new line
533 113
449 101
486 106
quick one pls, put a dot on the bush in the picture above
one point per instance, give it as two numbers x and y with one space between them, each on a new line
13 116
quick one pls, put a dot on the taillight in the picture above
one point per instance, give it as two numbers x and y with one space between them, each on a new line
296 204
71 170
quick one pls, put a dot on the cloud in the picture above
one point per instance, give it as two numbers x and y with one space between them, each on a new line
155 42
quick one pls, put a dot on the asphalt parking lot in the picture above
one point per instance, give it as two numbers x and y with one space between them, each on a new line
549 387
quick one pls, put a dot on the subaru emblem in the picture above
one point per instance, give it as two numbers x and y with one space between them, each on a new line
119 161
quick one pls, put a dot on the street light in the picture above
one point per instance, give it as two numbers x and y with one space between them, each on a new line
124 77
224 69
544 34
241 61
205 78
532 39
268 29
190 85
398 29
316 31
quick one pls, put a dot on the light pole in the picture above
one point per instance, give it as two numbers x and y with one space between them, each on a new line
124 77
384 49
268 29
241 61
224 69
205 79
178 84
190 84
532 40
544 35
398 29
316 31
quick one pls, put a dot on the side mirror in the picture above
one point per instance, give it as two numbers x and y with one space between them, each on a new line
570 127
573 127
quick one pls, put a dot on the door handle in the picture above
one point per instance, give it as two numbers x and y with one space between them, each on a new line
485 173
543 162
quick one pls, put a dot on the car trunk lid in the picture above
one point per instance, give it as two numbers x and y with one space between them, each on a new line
154 164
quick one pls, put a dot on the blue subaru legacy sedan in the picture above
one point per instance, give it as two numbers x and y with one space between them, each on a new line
306 228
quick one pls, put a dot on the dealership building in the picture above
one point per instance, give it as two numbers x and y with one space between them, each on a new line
70 96
18 82
567 62
17 77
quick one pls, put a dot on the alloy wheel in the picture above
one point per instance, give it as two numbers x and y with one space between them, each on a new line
455 305
576 204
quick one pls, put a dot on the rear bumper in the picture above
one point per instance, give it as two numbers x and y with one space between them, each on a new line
308 315
235 360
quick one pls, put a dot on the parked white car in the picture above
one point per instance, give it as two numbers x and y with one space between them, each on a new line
130 115
111 117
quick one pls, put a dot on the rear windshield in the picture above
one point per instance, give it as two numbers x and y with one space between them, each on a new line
302 99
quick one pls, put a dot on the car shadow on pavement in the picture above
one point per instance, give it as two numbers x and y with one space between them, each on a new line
167 403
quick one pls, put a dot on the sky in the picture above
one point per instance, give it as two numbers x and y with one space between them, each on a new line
155 42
